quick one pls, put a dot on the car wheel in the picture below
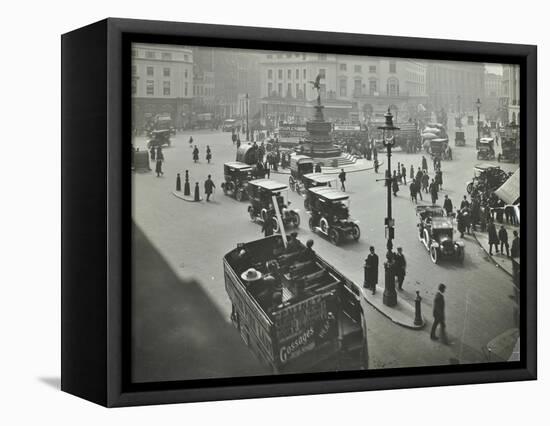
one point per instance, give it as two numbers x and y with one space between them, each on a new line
295 217
427 237
334 236
460 254
263 214
434 254
323 225
356 232
311 224
239 195
275 225
469 188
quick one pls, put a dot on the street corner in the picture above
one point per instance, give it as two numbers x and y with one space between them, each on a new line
403 313
187 198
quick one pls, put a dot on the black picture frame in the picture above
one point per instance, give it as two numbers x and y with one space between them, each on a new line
96 232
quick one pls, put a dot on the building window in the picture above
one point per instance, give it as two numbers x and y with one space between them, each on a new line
166 72
280 74
185 90
185 74
280 89
373 86
166 56
305 87
305 73
166 88
150 71
357 68
289 90
298 90
134 70
393 86
289 74
150 55
393 67
357 87
343 87
134 86
343 67
269 89
372 68
322 57
150 88
323 72
297 74
270 74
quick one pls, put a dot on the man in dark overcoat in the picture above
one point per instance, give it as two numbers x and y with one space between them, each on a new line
400 267
209 187
439 315
371 271
424 163
448 205
493 236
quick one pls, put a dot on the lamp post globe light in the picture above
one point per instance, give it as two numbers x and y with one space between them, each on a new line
390 295
478 106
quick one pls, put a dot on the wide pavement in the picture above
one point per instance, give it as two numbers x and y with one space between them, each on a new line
193 237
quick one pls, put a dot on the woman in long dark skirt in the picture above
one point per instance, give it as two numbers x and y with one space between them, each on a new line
208 153
196 154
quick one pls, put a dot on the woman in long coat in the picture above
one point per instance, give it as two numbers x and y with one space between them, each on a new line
208 153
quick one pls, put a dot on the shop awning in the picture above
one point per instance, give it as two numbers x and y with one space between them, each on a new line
509 191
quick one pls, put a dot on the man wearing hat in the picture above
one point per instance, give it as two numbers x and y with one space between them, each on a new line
400 267
439 314
371 270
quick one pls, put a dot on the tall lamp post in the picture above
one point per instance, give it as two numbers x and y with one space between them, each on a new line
247 130
478 106
390 295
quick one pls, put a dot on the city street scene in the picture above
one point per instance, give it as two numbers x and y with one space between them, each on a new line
298 212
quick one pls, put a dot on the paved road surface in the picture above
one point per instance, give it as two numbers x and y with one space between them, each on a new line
193 237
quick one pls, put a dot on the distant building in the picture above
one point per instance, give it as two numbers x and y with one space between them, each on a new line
492 96
454 86
162 83
353 88
236 73
510 92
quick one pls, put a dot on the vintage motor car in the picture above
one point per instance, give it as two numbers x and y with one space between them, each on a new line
261 193
460 140
314 180
329 209
486 177
435 231
486 149
236 175
300 165
159 138
509 138
293 309
439 148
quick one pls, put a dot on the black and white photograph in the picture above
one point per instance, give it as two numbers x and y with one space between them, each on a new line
305 212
